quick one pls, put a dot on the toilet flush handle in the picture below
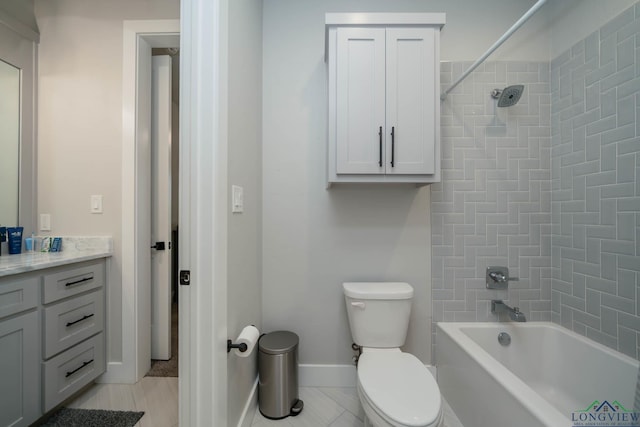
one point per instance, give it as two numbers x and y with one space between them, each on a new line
358 304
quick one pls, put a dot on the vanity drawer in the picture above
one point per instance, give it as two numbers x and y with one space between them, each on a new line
18 295
71 281
70 371
69 322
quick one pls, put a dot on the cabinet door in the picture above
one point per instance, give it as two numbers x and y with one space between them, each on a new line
19 373
360 110
411 100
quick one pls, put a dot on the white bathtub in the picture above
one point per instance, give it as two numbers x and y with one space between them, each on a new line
542 378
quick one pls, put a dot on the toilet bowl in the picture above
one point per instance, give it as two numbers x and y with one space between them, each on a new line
394 388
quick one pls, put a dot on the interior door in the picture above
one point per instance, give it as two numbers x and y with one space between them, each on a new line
360 125
143 205
411 101
161 209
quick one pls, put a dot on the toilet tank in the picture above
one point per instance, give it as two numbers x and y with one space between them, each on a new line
378 312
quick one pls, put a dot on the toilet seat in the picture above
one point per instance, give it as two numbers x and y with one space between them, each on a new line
399 388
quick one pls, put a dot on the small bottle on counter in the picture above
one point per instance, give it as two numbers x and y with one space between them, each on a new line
29 243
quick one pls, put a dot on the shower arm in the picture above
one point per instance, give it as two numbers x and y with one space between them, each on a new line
496 45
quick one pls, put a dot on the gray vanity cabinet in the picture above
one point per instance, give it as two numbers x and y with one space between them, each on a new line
73 323
52 337
19 352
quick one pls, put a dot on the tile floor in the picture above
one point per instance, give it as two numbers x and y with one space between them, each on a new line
158 398
333 407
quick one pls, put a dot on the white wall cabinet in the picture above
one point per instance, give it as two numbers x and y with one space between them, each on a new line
384 106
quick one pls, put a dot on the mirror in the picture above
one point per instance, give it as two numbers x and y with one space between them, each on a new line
9 143
18 55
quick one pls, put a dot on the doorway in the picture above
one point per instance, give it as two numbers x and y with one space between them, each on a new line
139 38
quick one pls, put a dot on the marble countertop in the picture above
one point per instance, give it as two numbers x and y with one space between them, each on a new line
14 264
74 249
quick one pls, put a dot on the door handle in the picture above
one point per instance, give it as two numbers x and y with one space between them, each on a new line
159 246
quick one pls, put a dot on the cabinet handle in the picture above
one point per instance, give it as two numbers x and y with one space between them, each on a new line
80 320
393 145
380 137
78 368
77 282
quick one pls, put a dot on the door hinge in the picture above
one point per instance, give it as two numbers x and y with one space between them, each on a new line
185 277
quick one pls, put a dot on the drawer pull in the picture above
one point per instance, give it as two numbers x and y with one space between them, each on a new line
380 146
77 282
393 146
78 368
80 320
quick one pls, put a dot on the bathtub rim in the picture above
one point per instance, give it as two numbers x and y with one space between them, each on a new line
614 353
528 397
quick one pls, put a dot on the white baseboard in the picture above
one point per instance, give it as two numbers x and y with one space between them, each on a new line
117 373
327 375
250 407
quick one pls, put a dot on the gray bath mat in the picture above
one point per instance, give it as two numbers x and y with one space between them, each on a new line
67 417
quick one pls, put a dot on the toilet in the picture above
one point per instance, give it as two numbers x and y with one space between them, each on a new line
395 388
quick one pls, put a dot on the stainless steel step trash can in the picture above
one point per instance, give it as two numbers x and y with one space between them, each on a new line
278 375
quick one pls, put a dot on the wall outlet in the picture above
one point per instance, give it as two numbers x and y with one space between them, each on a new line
45 222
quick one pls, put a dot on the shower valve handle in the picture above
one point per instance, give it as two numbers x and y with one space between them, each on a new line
497 277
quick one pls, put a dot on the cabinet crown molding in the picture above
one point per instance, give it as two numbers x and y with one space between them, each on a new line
386 19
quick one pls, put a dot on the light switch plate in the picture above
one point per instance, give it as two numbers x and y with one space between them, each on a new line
237 199
96 204
45 222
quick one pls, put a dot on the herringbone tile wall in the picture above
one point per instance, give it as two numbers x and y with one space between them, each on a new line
595 159
493 206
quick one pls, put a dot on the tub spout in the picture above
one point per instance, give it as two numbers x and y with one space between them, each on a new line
498 306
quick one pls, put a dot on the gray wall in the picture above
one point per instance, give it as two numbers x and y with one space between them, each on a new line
315 239
596 185
245 169
493 205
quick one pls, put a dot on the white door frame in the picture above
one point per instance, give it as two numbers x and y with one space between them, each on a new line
203 212
135 296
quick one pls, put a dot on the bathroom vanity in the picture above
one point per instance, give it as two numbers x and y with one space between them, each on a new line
52 330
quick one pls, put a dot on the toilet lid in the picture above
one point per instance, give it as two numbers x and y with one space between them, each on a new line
400 386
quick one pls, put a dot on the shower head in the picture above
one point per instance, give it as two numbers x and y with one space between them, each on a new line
508 96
